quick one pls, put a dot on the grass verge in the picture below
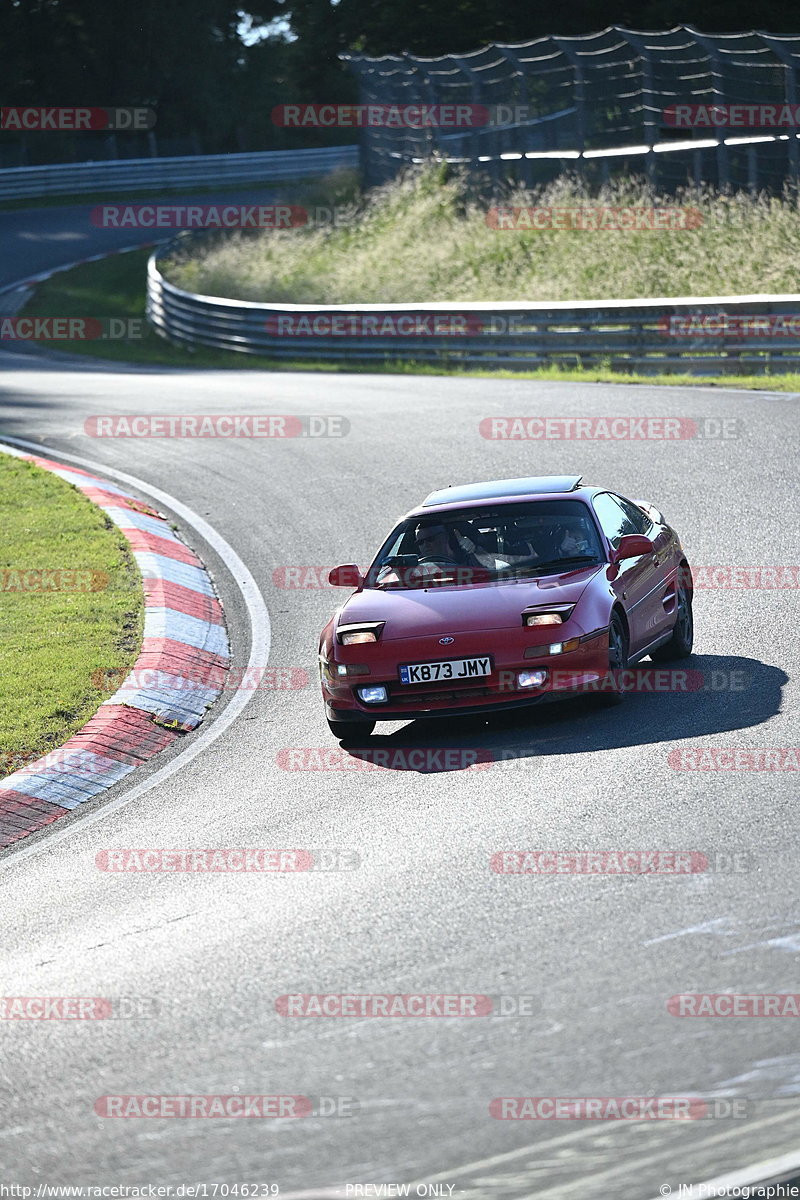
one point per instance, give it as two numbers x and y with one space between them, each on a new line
115 287
434 234
59 640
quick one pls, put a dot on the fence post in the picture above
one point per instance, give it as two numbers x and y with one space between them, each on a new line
580 99
475 140
509 53
723 160
790 91
649 123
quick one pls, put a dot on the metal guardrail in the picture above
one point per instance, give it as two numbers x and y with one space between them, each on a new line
624 335
141 174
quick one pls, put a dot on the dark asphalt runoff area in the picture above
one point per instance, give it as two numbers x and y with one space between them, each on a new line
203 957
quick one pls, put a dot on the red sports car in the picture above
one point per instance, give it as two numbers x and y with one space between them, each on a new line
495 595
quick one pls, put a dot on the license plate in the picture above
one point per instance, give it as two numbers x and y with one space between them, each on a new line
453 668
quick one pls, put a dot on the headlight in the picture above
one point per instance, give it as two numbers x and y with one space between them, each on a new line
554 615
357 634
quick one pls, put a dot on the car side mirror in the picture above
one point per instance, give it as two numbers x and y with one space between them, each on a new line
632 545
347 576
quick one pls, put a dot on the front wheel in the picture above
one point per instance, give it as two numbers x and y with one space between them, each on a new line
680 644
348 731
613 691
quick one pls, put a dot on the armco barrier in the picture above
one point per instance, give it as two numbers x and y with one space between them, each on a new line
625 335
144 174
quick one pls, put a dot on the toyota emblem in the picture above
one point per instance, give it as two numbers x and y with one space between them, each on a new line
446 641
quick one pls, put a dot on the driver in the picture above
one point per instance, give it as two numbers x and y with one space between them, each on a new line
434 541
571 541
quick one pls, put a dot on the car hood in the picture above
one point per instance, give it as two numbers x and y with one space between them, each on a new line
450 610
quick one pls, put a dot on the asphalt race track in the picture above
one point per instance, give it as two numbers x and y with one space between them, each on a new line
40 239
209 954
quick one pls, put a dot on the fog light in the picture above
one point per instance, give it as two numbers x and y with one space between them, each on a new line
526 679
372 695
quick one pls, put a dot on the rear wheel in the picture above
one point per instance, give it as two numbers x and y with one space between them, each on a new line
680 644
349 731
613 692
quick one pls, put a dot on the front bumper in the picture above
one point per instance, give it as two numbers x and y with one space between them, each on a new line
570 674
380 712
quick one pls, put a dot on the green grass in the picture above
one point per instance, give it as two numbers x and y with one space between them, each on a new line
58 647
425 237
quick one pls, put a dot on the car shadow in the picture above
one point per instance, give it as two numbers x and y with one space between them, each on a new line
724 693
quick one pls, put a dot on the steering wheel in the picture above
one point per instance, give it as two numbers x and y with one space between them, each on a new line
437 558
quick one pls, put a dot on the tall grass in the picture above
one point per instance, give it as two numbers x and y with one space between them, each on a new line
425 237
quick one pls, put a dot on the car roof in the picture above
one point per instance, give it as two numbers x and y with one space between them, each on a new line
503 491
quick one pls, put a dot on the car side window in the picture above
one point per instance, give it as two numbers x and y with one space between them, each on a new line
640 520
614 520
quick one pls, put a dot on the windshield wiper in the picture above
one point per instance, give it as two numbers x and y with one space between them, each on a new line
558 563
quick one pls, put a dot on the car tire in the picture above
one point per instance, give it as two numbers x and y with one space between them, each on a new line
617 661
350 731
680 644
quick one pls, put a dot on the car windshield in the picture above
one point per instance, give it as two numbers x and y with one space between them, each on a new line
481 545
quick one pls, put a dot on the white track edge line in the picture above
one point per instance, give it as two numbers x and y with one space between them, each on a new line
752 1176
260 639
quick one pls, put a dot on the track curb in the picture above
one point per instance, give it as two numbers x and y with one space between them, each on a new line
180 672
